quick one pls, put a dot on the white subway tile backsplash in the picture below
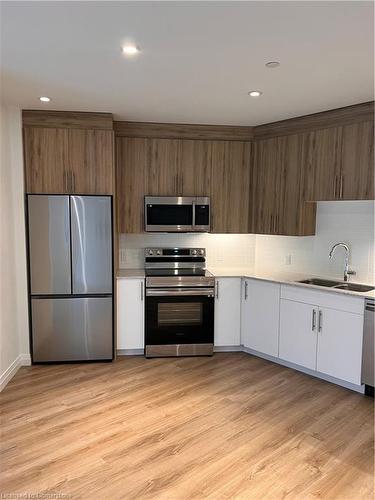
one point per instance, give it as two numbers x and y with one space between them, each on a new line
351 222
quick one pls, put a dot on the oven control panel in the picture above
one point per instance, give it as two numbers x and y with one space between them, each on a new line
175 252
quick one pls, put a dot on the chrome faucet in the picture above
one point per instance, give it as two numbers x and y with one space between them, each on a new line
347 270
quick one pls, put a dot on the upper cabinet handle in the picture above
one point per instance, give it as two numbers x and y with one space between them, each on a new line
341 185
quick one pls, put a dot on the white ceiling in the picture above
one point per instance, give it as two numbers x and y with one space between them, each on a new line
198 60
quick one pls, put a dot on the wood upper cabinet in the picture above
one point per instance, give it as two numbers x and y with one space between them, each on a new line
357 163
195 167
340 163
295 216
323 164
230 186
279 187
63 160
46 155
164 173
132 161
266 186
91 160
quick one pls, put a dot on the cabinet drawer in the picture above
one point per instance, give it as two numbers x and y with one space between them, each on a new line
333 300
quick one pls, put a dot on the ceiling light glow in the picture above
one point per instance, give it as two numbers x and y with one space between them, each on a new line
130 50
44 99
255 93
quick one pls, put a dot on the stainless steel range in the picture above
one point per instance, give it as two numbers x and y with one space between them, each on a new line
179 303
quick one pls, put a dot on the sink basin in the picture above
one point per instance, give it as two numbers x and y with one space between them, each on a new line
354 287
351 287
320 282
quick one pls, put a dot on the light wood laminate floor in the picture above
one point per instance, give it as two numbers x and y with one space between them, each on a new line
230 426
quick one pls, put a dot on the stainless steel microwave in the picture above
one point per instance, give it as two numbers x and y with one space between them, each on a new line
177 214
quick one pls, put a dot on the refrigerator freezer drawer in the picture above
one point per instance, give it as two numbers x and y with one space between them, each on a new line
91 226
72 329
49 244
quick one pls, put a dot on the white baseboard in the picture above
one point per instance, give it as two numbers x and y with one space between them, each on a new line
323 376
25 359
130 352
227 348
8 374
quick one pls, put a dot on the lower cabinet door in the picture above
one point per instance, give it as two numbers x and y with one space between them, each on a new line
340 344
298 337
130 313
228 312
260 316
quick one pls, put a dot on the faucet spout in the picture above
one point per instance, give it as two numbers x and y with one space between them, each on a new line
347 271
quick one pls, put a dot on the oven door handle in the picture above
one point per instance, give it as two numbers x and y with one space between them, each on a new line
180 293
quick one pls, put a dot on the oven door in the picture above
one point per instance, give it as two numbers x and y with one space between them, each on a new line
179 316
169 214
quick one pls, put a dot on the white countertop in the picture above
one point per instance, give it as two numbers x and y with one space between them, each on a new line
237 272
130 273
286 279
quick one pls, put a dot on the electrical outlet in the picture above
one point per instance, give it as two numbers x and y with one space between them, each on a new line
288 260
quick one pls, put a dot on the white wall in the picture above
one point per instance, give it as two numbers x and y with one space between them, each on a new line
350 222
14 333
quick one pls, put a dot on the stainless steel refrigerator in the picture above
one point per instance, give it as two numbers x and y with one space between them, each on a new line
70 259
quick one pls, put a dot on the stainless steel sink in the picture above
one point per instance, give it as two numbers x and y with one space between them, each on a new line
320 282
352 287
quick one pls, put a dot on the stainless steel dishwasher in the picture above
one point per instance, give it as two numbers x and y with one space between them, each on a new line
368 375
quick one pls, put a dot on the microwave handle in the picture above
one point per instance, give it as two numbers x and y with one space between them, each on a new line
193 225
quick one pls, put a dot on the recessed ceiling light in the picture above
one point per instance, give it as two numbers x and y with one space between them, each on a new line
255 93
130 50
272 64
44 99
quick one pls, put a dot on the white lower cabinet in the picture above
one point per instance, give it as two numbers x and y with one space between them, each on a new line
228 312
298 339
340 345
130 313
260 316
322 338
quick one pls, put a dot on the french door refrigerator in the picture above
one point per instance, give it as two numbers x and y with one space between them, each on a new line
70 258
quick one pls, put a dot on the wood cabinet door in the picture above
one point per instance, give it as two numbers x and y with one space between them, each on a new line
294 216
323 164
46 152
228 312
298 333
195 167
164 171
132 162
267 186
230 186
130 313
260 319
91 160
357 167
340 344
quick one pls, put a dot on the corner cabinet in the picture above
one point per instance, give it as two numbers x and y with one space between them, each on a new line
130 313
340 163
227 312
260 316
322 331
